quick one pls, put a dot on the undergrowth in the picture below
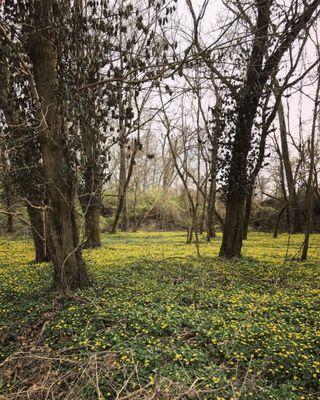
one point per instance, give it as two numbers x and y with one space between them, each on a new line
160 322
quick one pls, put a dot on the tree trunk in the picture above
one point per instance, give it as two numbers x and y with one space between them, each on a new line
92 167
247 99
122 205
275 234
305 247
117 215
296 222
9 200
10 228
233 226
247 105
203 213
247 213
189 234
122 181
93 227
256 170
91 210
309 196
212 197
237 184
8 193
90 190
69 268
135 198
210 221
214 141
124 224
284 192
39 231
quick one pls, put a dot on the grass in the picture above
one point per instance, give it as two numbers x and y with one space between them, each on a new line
160 322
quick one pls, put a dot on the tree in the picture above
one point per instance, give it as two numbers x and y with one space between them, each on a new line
309 194
21 157
260 68
69 268
255 63
295 213
84 57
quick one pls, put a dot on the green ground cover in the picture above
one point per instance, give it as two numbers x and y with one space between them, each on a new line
160 322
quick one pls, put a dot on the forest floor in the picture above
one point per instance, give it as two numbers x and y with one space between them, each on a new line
160 322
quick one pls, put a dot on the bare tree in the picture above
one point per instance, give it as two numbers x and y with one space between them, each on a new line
310 181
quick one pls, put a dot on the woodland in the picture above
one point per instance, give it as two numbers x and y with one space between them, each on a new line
159 199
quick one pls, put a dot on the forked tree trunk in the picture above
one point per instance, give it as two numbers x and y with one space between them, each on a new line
69 268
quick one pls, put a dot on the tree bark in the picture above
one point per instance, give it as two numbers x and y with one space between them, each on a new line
7 184
282 184
211 216
276 229
93 227
91 210
90 190
255 172
247 107
90 187
9 202
214 141
247 213
212 191
38 222
10 226
203 211
69 268
295 214
309 195
123 192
